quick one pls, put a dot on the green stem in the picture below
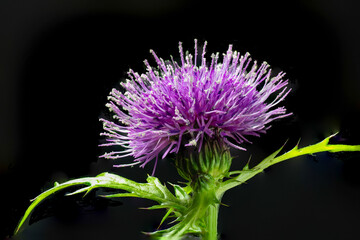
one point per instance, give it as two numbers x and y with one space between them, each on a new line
211 222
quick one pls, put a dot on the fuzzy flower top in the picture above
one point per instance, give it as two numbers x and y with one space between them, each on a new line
181 104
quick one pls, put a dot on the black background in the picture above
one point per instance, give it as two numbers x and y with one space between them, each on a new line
60 59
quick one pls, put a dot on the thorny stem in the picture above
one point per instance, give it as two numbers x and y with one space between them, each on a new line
205 196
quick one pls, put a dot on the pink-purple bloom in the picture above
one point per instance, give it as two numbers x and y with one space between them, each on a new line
178 105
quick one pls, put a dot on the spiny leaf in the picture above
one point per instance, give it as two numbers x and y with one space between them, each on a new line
322 146
46 194
152 190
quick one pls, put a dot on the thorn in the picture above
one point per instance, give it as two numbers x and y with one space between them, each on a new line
185 183
285 143
223 204
144 208
147 233
88 191
247 164
333 135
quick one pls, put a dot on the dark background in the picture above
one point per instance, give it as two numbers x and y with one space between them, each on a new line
60 59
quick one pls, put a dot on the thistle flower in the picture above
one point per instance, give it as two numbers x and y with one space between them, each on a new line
181 105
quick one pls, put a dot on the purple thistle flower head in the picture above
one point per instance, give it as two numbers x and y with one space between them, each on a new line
179 105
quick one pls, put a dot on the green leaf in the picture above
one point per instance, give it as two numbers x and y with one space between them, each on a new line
152 190
247 173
